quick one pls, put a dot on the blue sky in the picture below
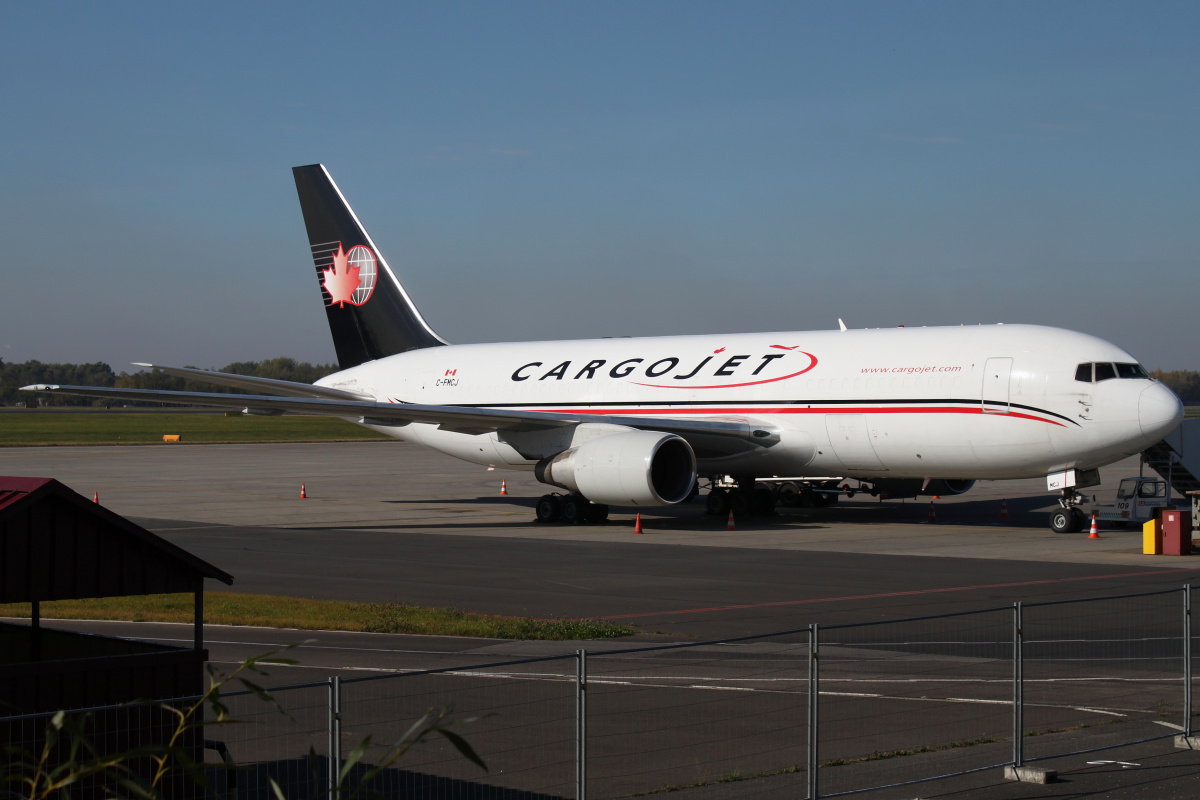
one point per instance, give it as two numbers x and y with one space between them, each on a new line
563 170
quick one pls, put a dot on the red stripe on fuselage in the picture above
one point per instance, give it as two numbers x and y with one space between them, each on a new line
708 411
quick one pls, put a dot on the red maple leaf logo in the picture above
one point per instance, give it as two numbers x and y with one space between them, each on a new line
341 280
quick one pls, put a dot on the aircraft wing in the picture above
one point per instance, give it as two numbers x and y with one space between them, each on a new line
268 385
454 418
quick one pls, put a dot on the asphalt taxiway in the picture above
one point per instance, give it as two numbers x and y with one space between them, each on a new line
393 522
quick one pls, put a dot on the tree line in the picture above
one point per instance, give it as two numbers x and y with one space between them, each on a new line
13 376
1183 382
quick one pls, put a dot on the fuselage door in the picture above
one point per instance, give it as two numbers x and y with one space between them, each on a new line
996 374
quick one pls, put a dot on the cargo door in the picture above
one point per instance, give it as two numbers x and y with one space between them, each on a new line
851 441
996 375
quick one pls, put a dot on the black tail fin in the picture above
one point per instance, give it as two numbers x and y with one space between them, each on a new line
370 314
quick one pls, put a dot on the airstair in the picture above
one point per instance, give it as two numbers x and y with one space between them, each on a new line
1177 458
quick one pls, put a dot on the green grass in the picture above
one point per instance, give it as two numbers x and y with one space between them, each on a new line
41 427
227 608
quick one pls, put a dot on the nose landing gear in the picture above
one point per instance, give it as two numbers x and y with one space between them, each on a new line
1069 518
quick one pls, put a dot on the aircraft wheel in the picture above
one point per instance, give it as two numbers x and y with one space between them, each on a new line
573 509
547 508
739 503
807 498
717 502
789 495
1064 520
763 500
1082 520
595 513
824 499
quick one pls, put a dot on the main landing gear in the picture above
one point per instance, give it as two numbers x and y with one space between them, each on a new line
570 509
1069 518
747 498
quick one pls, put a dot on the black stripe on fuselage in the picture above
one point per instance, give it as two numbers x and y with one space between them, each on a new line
766 403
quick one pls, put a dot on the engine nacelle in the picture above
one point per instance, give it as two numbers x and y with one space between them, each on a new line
911 487
635 468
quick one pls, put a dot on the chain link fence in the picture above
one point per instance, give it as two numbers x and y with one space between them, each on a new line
1101 673
912 700
519 715
813 712
668 718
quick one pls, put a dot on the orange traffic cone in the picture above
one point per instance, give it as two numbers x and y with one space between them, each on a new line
1004 511
1094 533
503 487
932 513
637 525
96 497
303 494
729 526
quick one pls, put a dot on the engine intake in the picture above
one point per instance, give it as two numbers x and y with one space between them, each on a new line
635 468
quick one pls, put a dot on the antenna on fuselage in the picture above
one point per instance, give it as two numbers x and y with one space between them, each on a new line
841 324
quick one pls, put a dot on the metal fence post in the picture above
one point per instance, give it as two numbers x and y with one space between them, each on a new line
1187 660
1018 752
335 732
814 699
581 725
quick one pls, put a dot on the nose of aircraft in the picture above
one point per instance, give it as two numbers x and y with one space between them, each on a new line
1159 411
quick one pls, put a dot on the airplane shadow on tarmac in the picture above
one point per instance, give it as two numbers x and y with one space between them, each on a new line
1023 512
490 500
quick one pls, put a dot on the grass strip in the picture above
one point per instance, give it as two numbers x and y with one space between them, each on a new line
271 611
42 427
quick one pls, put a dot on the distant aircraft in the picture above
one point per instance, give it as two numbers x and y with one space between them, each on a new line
638 422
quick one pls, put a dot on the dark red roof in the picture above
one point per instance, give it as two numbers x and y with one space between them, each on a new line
56 544
13 489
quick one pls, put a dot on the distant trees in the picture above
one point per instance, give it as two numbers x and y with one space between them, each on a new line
13 376
1182 382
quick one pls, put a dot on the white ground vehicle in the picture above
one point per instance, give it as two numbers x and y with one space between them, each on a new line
1136 500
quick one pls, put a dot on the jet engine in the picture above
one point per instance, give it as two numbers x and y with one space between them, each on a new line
911 487
635 468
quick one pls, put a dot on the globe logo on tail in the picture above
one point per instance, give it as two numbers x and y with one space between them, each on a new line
351 279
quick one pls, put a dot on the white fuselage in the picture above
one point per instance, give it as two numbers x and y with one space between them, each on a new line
979 402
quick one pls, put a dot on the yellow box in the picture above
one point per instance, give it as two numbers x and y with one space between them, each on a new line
175 437
1152 536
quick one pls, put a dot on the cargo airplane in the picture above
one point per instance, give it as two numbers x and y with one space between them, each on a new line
643 421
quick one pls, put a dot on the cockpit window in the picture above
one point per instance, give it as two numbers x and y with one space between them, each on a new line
1131 371
1094 373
